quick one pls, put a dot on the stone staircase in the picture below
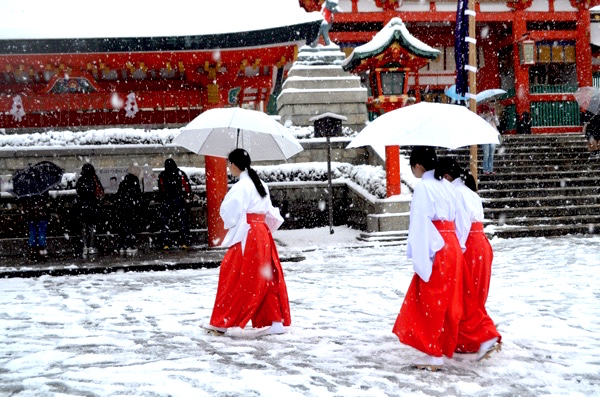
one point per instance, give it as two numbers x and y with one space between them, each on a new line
544 185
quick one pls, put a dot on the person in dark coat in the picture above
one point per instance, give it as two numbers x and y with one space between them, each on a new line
129 205
524 124
591 131
37 214
175 191
89 199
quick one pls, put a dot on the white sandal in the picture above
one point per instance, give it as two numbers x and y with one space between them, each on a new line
429 363
487 348
214 330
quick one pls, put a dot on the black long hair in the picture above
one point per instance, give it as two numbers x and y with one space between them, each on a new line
241 159
448 165
424 155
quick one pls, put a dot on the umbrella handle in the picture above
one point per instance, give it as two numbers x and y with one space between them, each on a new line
237 140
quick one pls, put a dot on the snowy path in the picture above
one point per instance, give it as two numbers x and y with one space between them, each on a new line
138 333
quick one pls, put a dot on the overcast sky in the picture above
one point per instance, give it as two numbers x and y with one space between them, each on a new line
117 18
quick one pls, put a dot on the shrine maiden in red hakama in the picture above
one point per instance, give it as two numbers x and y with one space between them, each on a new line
251 283
432 308
476 327
478 254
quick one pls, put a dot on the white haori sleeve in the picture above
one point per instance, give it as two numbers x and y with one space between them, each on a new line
424 240
273 217
462 221
233 212
471 201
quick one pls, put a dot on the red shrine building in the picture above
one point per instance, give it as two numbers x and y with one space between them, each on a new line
539 51
141 81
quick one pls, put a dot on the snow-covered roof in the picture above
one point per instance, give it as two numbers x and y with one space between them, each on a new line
328 114
394 30
70 19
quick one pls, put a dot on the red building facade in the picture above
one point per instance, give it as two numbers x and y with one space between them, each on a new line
145 81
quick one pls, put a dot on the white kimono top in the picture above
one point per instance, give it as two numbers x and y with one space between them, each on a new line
243 199
471 202
432 200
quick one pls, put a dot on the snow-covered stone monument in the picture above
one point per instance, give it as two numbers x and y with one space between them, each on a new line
317 84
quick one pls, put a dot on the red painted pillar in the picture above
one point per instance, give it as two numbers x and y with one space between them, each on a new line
521 71
392 170
216 189
583 47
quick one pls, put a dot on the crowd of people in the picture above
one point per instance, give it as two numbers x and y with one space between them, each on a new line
174 193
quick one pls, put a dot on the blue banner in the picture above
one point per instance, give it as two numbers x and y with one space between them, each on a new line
461 47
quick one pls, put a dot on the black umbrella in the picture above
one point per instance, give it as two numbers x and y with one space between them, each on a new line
36 179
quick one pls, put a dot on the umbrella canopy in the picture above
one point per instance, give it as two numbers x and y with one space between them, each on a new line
450 92
486 95
489 95
427 124
36 179
217 132
588 99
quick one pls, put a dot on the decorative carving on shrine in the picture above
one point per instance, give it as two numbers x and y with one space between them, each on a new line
17 111
519 4
131 106
311 5
74 85
388 5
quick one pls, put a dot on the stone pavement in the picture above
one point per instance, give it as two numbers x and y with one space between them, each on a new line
144 260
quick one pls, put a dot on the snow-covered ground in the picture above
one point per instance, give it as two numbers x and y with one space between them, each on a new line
138 334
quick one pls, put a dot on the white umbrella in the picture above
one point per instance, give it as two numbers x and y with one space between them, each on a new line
216 132
488 95
588 99
427 124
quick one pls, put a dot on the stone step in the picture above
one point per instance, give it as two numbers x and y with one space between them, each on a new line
545 181
317 71
314 56
390 218
507 214
384 237
582 156
546 231
541 201
588 219
322 96
533 170
541 192
322 83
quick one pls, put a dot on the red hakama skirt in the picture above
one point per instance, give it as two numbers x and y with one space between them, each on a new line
251 285
476 326
431 312
478 257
